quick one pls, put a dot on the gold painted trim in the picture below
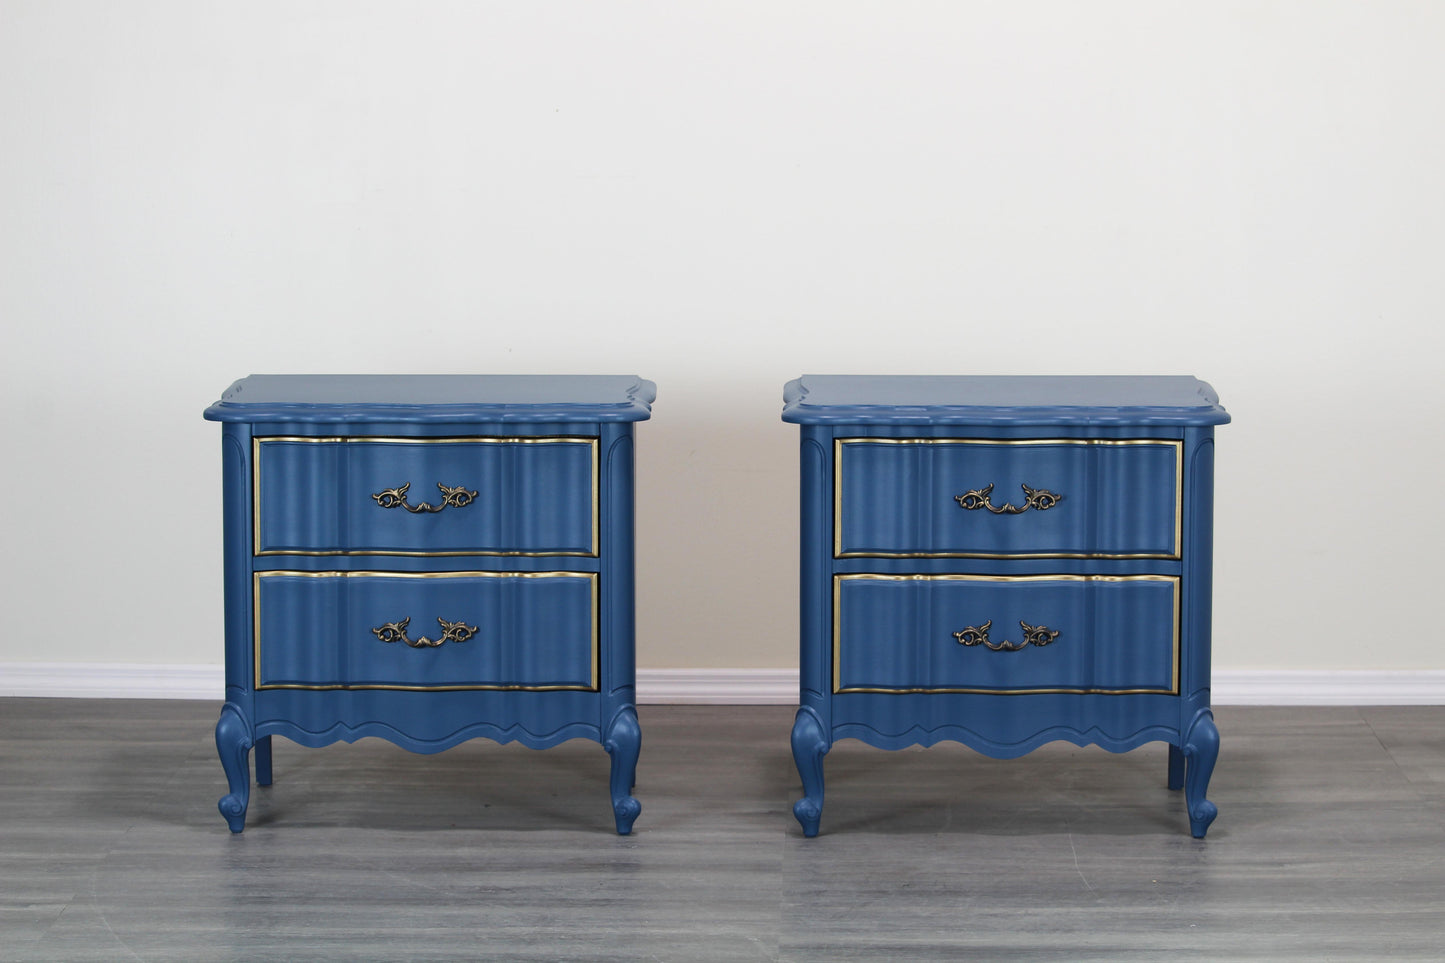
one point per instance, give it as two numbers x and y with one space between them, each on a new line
838 633
592 442
596 613
838 444
1178 623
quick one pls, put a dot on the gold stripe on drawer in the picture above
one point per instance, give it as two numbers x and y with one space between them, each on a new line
838 632
838 444
386 439
592 577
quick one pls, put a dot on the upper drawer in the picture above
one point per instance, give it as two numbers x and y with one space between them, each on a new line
425 496
1006 634
996 498
453 630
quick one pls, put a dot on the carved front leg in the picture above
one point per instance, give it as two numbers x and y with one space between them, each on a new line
233 742
810 745
623 742
1201 749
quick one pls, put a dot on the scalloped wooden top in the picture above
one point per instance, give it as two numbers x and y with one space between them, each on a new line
1001 399
435 398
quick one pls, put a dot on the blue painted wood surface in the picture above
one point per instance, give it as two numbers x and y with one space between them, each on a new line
1001 400
899 632
1109 497
421 399
535 628
530 630
533 495
882 511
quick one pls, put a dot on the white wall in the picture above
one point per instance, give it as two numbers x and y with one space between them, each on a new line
721 196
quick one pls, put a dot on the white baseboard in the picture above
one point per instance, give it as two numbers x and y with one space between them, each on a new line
111 680
1254 687
717 687
729 686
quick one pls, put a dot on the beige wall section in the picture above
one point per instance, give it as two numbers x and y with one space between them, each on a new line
720 197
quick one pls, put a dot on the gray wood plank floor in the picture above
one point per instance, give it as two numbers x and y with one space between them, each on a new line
1330 845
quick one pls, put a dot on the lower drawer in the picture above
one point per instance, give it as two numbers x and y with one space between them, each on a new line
1006 634
454 630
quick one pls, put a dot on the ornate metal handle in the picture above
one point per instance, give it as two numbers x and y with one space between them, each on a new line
457 497
1039 635
1039 499
451 632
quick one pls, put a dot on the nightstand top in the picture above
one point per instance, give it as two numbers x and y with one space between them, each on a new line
998 399
435 398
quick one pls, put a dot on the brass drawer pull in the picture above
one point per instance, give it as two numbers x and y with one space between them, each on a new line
1039 635
457 497
451 632
1039 499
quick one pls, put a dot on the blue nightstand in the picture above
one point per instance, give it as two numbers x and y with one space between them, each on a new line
428 559
1005 562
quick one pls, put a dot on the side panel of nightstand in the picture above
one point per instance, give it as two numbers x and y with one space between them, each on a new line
815 660
812 735
235 730
621 735
236 514
619 660
1198 572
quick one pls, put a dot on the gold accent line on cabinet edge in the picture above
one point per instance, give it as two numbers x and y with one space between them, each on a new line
363 553
860 690
596 635
1179 501
596 497
1178 627
969 577
255 495
374 687
332 573
876 576
433 439
594 579
838 444
255 630
593 444
1095 555
837 633
948 440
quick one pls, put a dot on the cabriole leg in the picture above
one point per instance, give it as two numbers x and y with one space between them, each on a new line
233 743
1201 748
623 742
1176 767
263 761
810 745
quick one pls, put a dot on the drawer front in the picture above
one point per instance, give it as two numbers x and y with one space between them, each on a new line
974 498
963 633
462 630
423 496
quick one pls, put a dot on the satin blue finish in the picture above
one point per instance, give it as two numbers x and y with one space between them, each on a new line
1001 400
1114 499
428 722
623 741
900 634
531 496
533 629
423 399
530 631
1126 682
